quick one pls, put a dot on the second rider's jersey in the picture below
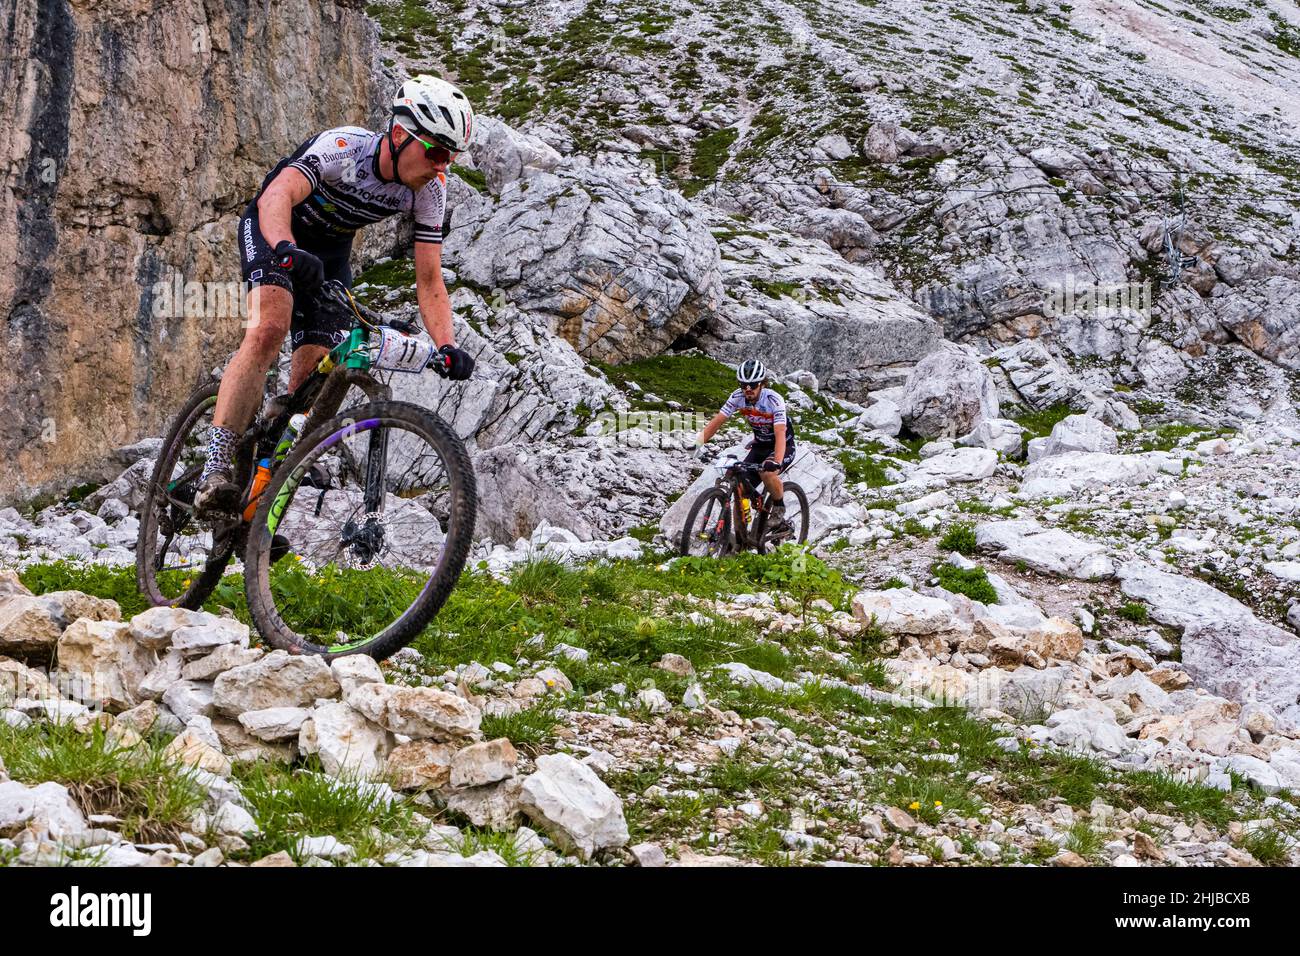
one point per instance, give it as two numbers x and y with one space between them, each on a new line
348 192
766 411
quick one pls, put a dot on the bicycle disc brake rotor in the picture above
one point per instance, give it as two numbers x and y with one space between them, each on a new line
361 541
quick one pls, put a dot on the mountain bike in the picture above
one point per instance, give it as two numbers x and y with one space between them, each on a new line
354 526
732 516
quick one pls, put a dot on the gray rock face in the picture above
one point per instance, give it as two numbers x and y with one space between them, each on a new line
574 805
593 487
1049 550
838 320
947 394
128 220
998 434
504 154
1226 648
1039 380
620 268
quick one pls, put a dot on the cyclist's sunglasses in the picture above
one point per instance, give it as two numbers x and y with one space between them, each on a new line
436 153
752 386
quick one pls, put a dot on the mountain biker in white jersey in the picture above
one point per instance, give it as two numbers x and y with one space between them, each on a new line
297 232
773 445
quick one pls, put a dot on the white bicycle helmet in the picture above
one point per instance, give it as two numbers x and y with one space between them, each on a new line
751 371
432 110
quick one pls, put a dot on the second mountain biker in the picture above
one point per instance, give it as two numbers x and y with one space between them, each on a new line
773 445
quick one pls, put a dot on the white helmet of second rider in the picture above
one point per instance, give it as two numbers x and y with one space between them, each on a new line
434 111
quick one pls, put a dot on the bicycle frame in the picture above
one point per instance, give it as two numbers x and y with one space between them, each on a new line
352 354
732 482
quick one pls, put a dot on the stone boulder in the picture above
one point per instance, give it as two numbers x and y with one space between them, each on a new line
1075 433
997 434
621 268
899 611
30 626
503 154
416 712
1062 475
277 680
947 394
1049 550
345 741
99 662
579 811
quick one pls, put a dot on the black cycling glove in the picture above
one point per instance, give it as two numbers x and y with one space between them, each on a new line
307 270
458 363
770 465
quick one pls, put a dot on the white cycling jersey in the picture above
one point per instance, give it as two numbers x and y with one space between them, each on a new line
763 414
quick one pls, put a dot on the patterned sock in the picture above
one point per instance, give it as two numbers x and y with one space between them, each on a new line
221 448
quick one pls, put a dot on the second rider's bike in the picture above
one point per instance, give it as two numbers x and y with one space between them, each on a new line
731 516
354 525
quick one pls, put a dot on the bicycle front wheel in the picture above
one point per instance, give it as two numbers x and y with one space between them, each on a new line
707 531
376 507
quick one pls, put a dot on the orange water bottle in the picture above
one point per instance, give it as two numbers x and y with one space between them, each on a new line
260 481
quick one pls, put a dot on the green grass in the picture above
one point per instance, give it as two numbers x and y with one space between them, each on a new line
289 805
959 537
1133 611
697 383
527 729
1269 845
974 583
1038 424
474 178
860 467
711 152
502 842
152 795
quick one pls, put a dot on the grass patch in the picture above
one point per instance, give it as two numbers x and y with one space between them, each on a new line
152 795
1039 424
696 383
973 582
289 805
959 537
527 729
1135 612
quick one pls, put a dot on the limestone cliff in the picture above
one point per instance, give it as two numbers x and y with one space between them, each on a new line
131 134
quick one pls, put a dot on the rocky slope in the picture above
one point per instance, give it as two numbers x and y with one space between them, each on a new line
1052 606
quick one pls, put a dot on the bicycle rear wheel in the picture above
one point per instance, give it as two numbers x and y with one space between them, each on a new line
708 530
378 537
797 514
178 561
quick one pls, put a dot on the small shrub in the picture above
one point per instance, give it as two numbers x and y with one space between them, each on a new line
1133 611
959 537
974 583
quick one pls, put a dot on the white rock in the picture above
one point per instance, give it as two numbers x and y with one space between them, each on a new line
903 611
1049 550
345 740
1075 433
573 805
274 723
46 807
1079 471
277 680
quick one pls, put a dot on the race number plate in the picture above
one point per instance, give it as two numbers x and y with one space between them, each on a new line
402 353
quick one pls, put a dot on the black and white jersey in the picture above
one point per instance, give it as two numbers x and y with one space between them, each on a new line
347 191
